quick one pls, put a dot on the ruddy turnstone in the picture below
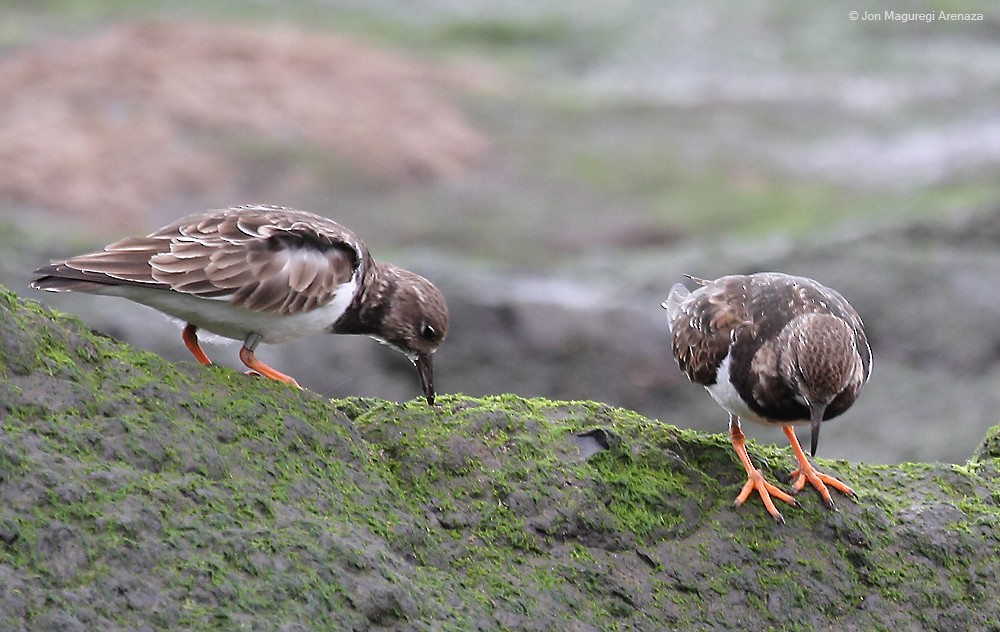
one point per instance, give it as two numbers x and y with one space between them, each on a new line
774 349
264 274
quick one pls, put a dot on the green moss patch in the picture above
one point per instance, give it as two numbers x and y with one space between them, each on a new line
138 493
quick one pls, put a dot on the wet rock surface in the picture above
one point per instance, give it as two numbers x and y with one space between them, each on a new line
138 494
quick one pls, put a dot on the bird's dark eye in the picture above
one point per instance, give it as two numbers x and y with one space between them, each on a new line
427 332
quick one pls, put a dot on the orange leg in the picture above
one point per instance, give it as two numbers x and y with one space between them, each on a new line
258 367
755 478
806 472
190 338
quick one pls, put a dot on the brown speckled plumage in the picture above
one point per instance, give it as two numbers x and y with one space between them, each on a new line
267 259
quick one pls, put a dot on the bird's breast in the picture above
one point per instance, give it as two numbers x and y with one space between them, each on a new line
725 393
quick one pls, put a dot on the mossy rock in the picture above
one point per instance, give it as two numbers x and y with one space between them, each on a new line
137 494
990 447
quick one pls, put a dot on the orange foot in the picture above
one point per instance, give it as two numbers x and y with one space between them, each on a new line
755 478
259 368
806 472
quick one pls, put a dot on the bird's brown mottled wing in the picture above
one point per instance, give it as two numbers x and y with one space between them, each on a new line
702 324
261 258
122 263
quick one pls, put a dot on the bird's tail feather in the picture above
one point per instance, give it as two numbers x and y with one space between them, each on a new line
678 294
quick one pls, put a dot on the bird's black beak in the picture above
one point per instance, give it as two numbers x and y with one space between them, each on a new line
815 419
426 372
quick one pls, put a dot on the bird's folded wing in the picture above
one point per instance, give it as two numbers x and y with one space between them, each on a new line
261 261
701 330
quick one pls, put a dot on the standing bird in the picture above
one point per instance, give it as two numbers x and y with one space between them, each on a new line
774 349
264 274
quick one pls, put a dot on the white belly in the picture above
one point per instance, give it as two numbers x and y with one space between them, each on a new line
725 394
220 317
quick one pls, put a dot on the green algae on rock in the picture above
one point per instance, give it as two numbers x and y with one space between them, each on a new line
990 447
134 492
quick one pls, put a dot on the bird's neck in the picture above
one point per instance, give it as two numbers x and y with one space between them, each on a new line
371 303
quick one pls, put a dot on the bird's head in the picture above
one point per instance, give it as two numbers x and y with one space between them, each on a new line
821 363
415 323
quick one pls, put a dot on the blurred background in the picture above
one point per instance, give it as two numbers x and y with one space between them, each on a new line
554 168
